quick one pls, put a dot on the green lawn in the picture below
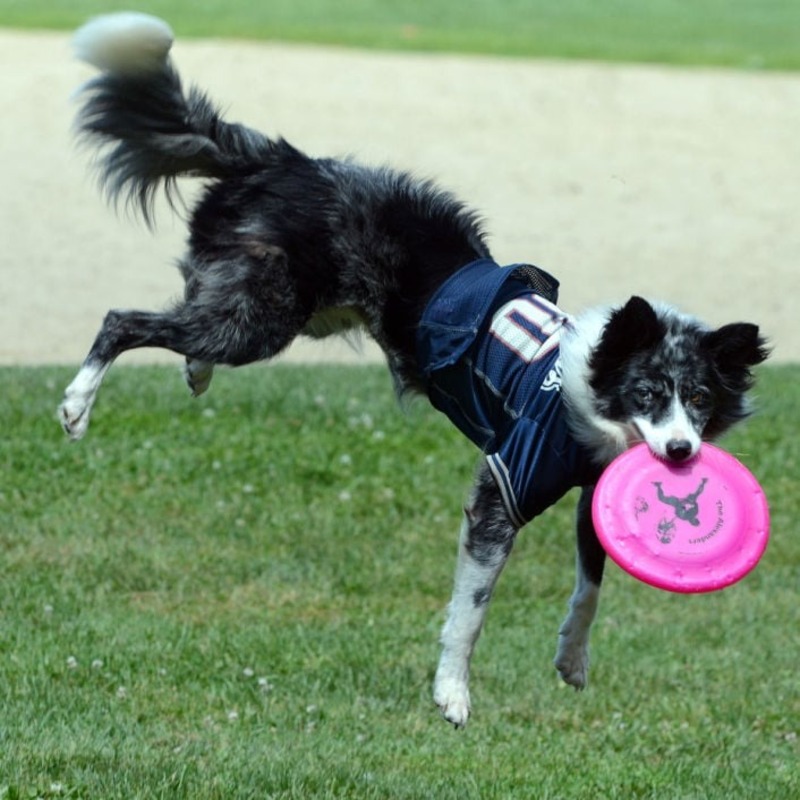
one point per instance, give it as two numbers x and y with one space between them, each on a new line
240 596
738 33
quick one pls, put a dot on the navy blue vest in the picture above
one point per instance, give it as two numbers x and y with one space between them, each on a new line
488 349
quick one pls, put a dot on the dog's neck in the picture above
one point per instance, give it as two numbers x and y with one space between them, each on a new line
604 438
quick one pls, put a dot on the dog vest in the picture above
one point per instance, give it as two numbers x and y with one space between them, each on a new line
488 350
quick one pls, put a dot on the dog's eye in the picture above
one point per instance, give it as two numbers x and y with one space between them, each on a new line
643 394
698 398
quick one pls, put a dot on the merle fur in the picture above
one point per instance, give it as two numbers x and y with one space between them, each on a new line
643 359
277 237
282 244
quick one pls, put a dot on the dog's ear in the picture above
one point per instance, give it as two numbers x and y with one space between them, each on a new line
636 325
630 329
734 349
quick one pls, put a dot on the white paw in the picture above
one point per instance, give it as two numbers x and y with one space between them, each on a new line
572 662
79 396
452 697
198 376
73 413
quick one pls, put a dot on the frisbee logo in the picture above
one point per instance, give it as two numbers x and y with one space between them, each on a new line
687 509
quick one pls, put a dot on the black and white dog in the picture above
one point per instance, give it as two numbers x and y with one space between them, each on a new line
282 245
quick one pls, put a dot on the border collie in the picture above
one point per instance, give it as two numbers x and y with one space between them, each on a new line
281 244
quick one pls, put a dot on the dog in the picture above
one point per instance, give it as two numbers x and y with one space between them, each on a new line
283 245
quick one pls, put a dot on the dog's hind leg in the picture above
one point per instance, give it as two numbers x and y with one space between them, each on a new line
79 398
198 375
487 536
251 290
190 332
121 331
572 656
238 310
204 337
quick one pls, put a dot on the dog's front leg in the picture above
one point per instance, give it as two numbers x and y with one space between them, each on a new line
572 657
487 535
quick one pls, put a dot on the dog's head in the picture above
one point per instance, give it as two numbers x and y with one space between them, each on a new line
665 379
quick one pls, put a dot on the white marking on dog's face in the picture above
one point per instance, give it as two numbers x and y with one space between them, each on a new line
674 432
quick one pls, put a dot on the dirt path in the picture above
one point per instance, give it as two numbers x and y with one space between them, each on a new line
678 184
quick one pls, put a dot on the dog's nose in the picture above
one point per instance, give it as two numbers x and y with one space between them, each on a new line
679 449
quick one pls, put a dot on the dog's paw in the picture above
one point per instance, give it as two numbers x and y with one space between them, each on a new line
452 697
198 376
79 397
572 663
73 414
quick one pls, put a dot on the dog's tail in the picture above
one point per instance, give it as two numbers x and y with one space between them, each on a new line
149 130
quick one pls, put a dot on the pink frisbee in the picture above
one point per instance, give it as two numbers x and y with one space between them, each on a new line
692 527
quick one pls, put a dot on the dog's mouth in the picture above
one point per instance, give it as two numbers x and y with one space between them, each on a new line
675 451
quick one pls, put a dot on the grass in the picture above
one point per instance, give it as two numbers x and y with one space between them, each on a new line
239 597
737 33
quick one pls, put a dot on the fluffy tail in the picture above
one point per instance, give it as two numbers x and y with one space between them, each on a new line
148 130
